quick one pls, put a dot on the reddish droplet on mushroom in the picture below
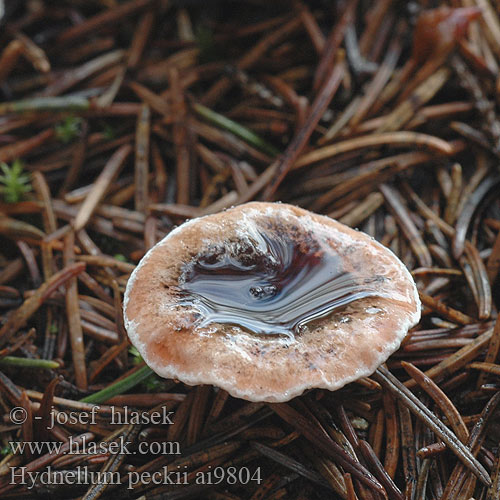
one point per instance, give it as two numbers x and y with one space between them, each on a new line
267 300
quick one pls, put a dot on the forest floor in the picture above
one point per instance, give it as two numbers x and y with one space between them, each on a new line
119 120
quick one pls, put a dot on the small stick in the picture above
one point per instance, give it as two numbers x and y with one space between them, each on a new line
76 75
331 48
409 229
100 186
311 26
450 212
377 433
128 434
351 494
110 355
493 263
492 368
407 449
480 280
420 490
423 413
107 261
290 463
9 57
154 101
197 413
380 473
492 352
413 139
220 87
34 53
477 436
323 442
458 360
30 306
440 398
467 212
494 490
42 419
73 316
392 434
328 470
180 137
407 109
108 16
298 143
23 147
142 159
446 311
140 39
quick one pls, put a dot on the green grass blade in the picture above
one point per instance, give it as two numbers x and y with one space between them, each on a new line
119 387
236 129
46 364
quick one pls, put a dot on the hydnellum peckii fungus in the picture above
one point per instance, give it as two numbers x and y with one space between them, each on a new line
267 300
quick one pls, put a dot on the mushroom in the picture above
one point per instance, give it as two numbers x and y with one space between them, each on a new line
266 300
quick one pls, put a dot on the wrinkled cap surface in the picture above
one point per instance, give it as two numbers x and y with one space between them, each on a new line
266 300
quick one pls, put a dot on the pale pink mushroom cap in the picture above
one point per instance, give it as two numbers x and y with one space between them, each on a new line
328 353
